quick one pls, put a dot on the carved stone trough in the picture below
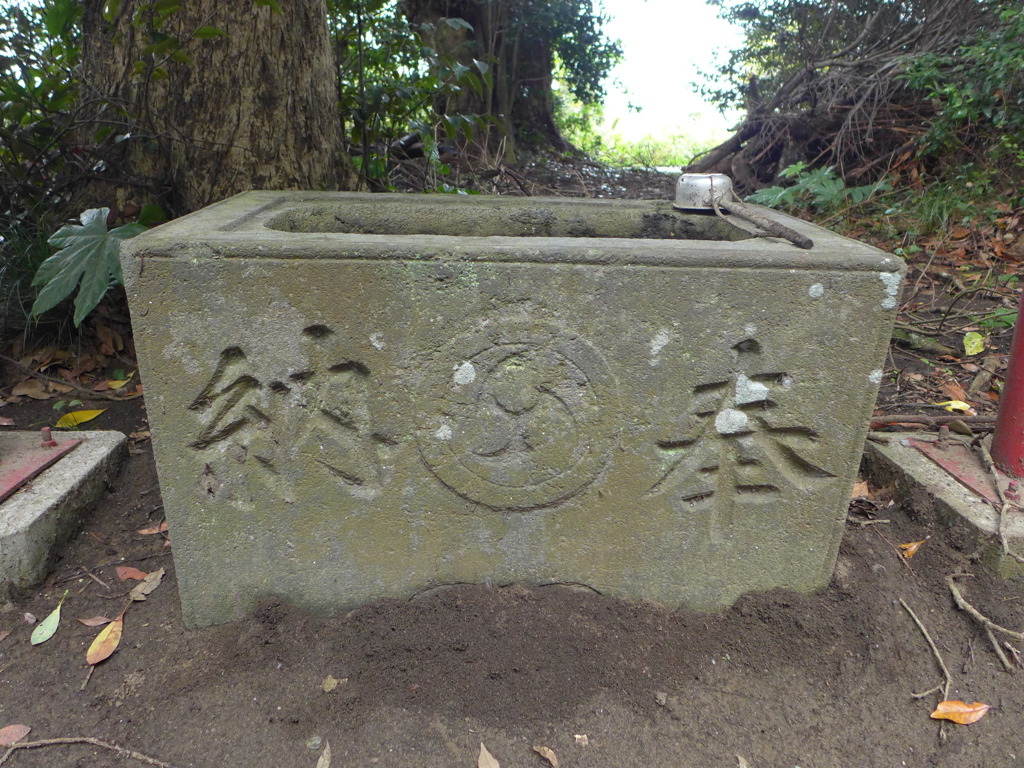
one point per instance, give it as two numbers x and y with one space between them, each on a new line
362 396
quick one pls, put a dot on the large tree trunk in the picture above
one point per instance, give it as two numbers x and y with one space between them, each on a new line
520 53
241 98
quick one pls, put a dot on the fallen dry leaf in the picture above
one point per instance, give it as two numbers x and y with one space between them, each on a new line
125 572
486 759
960 712
909 550
94 621
29 618
860 490
147 585
162 528
548 754
330 683
6 422
4 634
106 642
11 734
141 436
582 739
953 390
33 388
741 763
325 756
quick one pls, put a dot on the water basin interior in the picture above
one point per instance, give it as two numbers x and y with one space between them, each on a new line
481 218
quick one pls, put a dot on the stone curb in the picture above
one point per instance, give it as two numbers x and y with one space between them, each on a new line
45 513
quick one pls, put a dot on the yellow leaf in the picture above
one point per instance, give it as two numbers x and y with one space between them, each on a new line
957 405
118 383
486 759
548 754
331 682
909 550
106 642
75 418
960 712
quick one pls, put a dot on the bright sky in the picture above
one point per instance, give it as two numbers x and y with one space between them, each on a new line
664 42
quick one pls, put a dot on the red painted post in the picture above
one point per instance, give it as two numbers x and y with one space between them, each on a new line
1008 438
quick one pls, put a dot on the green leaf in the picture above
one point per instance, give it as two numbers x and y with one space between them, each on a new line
87 259
110 9
44 631
974 343
204 33
459 24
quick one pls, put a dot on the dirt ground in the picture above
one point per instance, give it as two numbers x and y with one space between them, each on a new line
780 680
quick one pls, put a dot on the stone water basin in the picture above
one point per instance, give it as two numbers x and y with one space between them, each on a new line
359 396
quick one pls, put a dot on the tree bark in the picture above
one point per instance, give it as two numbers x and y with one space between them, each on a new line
520 53
242 98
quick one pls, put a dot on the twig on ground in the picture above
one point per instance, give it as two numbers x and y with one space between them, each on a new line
88 393
973 612
932 421
999 651
899 553
866 523
948 679
1004 506
128 753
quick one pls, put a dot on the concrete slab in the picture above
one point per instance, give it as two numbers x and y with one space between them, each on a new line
44 513
919 482
364 396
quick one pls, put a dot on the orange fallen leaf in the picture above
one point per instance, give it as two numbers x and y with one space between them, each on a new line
860 489
953 391
127 572
960 712
909 550
94 621
12 734
106 642
162 528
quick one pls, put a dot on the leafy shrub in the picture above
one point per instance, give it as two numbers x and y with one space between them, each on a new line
87 260
819 189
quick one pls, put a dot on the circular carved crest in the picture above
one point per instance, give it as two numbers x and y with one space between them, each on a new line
518 415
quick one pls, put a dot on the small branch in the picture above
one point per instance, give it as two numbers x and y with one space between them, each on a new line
948 679
973 612
932 421
127 753
999 651
1004 504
